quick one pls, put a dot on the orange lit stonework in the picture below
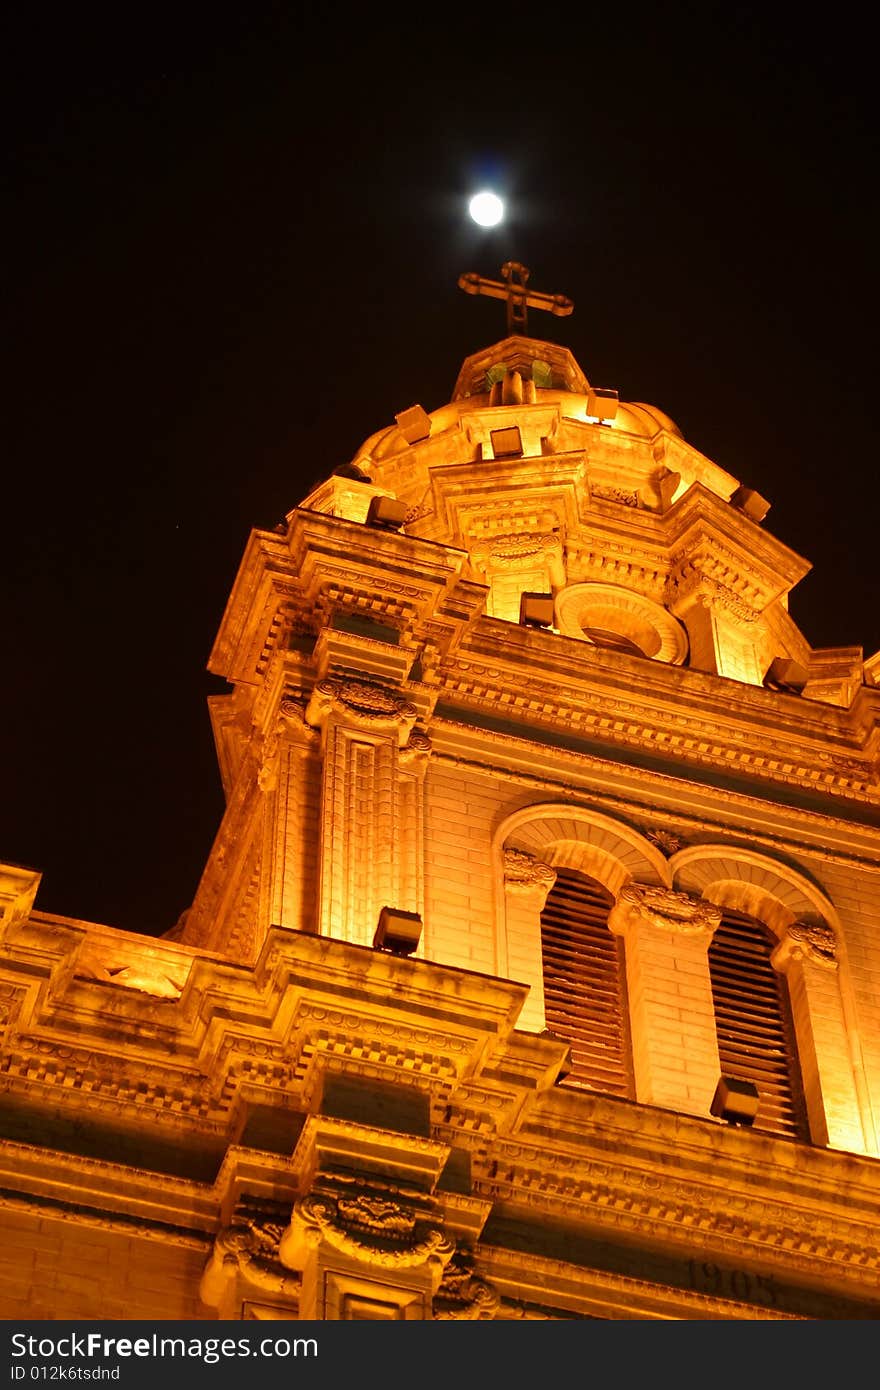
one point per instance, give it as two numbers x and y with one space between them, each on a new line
261 1115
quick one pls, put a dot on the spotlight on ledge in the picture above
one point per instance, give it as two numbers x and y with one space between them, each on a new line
387 513
735 1101
536 610
786 675
397 931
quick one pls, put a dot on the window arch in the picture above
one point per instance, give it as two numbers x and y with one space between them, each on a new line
585 983
754 1023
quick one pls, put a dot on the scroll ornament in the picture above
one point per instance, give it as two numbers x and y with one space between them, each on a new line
363 702
663 908
523 873
371 1222
462 1295
814 940
249 1250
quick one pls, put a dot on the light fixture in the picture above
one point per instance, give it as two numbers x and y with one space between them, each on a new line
784 674
506 443
387 513
414 424
735 1101
536 610
397 931
750 502
602 403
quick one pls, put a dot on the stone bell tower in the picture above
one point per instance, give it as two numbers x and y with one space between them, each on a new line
549 837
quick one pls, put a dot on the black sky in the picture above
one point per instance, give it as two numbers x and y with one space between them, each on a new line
232 253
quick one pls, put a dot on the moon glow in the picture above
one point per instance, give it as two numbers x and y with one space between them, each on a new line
486 208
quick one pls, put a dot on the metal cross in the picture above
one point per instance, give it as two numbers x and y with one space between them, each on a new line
513 289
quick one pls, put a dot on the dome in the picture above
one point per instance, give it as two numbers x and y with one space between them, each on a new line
645 419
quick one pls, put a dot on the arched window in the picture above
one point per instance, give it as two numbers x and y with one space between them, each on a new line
584 983
753 1020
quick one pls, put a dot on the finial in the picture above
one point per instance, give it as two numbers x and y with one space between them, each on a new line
513 288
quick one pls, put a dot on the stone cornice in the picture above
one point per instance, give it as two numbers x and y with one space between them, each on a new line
313 1006
179 1062
95 1192
553 1288
822 1211
700 524
791 1238
688 803
528 679
322 562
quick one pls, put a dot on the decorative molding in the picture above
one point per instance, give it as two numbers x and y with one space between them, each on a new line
47 1208
613 718
665 1206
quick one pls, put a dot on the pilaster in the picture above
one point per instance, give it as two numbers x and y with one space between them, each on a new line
527 881
372 820
672 1015
837 1111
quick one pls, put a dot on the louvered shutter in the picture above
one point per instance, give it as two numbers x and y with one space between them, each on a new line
756 1038
584 983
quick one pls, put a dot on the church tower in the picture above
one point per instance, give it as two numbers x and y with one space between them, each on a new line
533 972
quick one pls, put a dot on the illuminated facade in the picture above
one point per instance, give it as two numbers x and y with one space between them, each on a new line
524 673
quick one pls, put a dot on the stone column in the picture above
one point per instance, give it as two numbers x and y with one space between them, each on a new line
672 1014
838 1108
527 881
371 842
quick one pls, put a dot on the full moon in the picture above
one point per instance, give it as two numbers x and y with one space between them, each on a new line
486 208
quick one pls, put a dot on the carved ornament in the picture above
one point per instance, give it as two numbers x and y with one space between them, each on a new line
707 575
374 1222
615 494
666 841
363 702
523 873
418 513
663 908
811 941
248 1247
462 1295
417 748
522 546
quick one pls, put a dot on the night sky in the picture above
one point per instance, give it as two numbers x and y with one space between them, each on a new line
232 252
